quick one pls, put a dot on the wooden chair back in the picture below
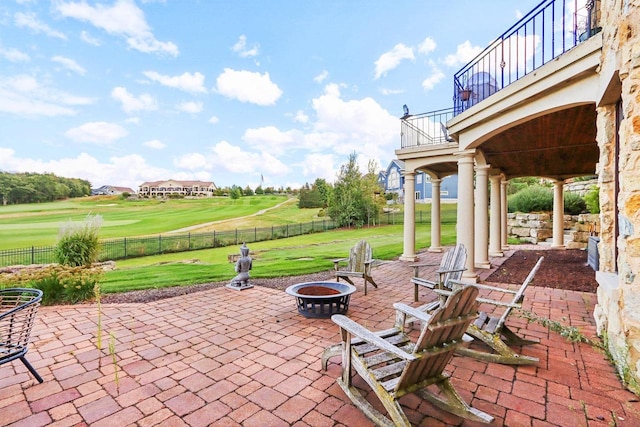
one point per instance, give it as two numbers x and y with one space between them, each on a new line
439 338
519 296
452 265
359 255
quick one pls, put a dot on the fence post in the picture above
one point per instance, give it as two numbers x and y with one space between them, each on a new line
287 230
189 240
33 255
159 243
214 238
255 234
125 247
236 236
272 232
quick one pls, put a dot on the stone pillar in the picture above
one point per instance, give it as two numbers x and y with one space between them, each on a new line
409 248
465 224
435 216
558 215
503 213
482 217
495 225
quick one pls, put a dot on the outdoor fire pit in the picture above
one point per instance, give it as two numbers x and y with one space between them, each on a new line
321 299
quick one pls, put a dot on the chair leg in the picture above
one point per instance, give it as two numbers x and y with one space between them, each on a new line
329 352
399 418
504 354
452 402
31 369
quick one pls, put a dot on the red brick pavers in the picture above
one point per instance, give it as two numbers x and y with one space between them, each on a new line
247 358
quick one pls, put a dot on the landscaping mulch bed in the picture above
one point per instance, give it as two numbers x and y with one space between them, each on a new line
561 269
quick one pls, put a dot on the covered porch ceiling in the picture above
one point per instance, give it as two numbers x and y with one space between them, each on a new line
557 145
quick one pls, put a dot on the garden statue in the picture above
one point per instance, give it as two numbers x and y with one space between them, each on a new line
243 265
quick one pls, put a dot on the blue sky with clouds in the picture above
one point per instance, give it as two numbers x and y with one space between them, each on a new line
120 91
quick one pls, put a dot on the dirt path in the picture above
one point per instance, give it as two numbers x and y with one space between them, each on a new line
222 221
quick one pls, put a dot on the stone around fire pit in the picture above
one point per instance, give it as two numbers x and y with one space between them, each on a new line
321 299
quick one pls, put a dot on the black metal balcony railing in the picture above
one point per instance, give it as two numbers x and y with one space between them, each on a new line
425 129
549 30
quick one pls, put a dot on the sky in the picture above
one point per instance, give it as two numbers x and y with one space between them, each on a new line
273 93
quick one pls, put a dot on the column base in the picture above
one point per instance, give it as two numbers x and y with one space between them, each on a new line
469 277
505 248
408 258
558 246
436 249
496 254
483 265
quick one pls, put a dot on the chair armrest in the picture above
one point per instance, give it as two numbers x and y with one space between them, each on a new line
450 271
486 287
446 293
416 267
364 334
423 282
411 311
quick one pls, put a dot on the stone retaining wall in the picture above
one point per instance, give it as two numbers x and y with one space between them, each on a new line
538 227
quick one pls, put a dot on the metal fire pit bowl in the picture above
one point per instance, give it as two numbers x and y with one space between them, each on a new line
321 299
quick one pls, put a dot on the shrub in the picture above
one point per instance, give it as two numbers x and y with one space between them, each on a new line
78 243
574 204
58 283
592 200
535 198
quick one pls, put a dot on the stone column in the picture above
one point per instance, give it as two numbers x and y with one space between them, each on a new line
482 217
409 248
465 224
558 215
504 211
435 216
495 224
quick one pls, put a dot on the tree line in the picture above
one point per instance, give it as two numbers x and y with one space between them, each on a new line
36 188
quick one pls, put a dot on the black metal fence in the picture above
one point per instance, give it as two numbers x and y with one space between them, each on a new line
132 247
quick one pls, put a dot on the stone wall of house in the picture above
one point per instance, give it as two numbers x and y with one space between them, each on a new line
538 227
617 312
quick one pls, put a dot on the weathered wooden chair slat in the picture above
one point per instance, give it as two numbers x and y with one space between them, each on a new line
492 329
451 267
358 265
393 371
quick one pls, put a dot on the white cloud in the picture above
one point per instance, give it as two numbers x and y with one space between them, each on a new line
427 46
29 20
190 107
97 133
130 103
124 19
436 77
321 77
318 165
345 126
87 38
127 171
14 55
213 120
23 95
187 82
156 144
241 48
390 60
386 92
247 86
301 117
192 162
464 53
69 64
270 139
230 158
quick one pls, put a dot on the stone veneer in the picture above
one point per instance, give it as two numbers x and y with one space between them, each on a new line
617 313
538 227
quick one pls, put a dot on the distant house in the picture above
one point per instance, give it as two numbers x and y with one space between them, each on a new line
392 181
175 187
110 190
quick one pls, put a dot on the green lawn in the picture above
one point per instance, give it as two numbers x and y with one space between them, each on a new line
37 225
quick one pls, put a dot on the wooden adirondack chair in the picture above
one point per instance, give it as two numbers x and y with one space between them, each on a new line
358 265
393 366
451 267
492 330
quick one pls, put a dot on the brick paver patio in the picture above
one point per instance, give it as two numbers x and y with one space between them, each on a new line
229 358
